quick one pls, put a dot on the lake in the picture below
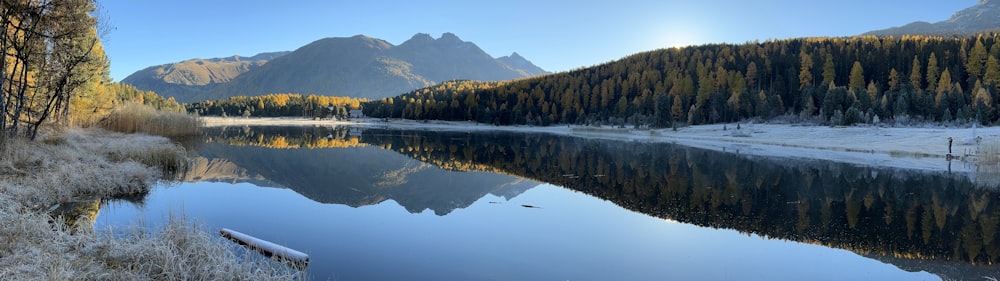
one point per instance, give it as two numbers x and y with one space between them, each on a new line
389 204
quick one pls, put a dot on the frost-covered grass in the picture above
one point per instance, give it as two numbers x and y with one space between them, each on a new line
34 248
137 118
76 165
73 164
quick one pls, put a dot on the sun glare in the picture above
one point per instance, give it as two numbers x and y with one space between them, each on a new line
678 36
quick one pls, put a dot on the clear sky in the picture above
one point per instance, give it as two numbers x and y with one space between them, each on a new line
556 35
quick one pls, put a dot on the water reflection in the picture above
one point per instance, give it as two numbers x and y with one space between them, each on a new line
939 223
360 176
892 213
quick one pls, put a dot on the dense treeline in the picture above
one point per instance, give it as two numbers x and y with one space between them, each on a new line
832 80
276 105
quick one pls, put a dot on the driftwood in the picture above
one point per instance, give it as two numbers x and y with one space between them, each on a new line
296 258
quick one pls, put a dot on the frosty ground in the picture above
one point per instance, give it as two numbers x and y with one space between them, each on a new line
921 148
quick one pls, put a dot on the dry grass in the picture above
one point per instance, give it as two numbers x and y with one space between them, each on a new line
180 251
33 248
148 150
988 164
82 165
989 152
137 118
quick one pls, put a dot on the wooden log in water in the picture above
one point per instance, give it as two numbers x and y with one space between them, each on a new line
267 248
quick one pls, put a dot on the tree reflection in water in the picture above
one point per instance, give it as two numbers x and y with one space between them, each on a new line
891 214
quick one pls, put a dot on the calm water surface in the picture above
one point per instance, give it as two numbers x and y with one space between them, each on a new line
418 205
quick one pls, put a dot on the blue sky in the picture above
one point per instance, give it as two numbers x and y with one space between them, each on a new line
555 35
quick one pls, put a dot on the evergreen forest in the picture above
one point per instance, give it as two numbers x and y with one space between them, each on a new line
278 105
835 81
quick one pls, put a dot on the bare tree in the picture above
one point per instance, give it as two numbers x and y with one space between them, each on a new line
22 41
48 54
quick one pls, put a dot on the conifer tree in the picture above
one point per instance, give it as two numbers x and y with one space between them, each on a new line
933 73
857 78
976 62
829 70
916 75
992 73
805 72
893 80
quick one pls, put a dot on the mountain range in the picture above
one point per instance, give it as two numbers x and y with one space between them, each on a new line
358 66
982 17
366 67
187 77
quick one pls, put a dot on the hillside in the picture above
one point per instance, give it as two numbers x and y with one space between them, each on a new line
189 77
359 66
982 17
835 81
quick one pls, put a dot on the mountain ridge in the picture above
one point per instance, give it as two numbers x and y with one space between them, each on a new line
979 18
358 66
195 75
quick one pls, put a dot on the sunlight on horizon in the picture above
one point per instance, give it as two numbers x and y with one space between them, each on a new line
676 34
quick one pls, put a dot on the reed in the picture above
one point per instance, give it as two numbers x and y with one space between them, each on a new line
989 153
137 118
988 164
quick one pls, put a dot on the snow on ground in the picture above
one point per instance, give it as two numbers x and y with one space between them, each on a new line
907 148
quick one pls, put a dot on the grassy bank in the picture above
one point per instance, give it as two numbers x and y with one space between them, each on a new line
74 165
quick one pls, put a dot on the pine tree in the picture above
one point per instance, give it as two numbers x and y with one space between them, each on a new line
829 70
893 80
873 93
944 83
976 61
805 72
677 108
916 76
857 77
752 75
943 89
982 104
932 73
992 75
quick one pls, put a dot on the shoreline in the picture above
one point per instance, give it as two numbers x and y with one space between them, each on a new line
917 148
51 190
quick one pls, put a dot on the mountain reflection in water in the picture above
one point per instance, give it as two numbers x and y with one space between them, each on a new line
935 222
361 176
